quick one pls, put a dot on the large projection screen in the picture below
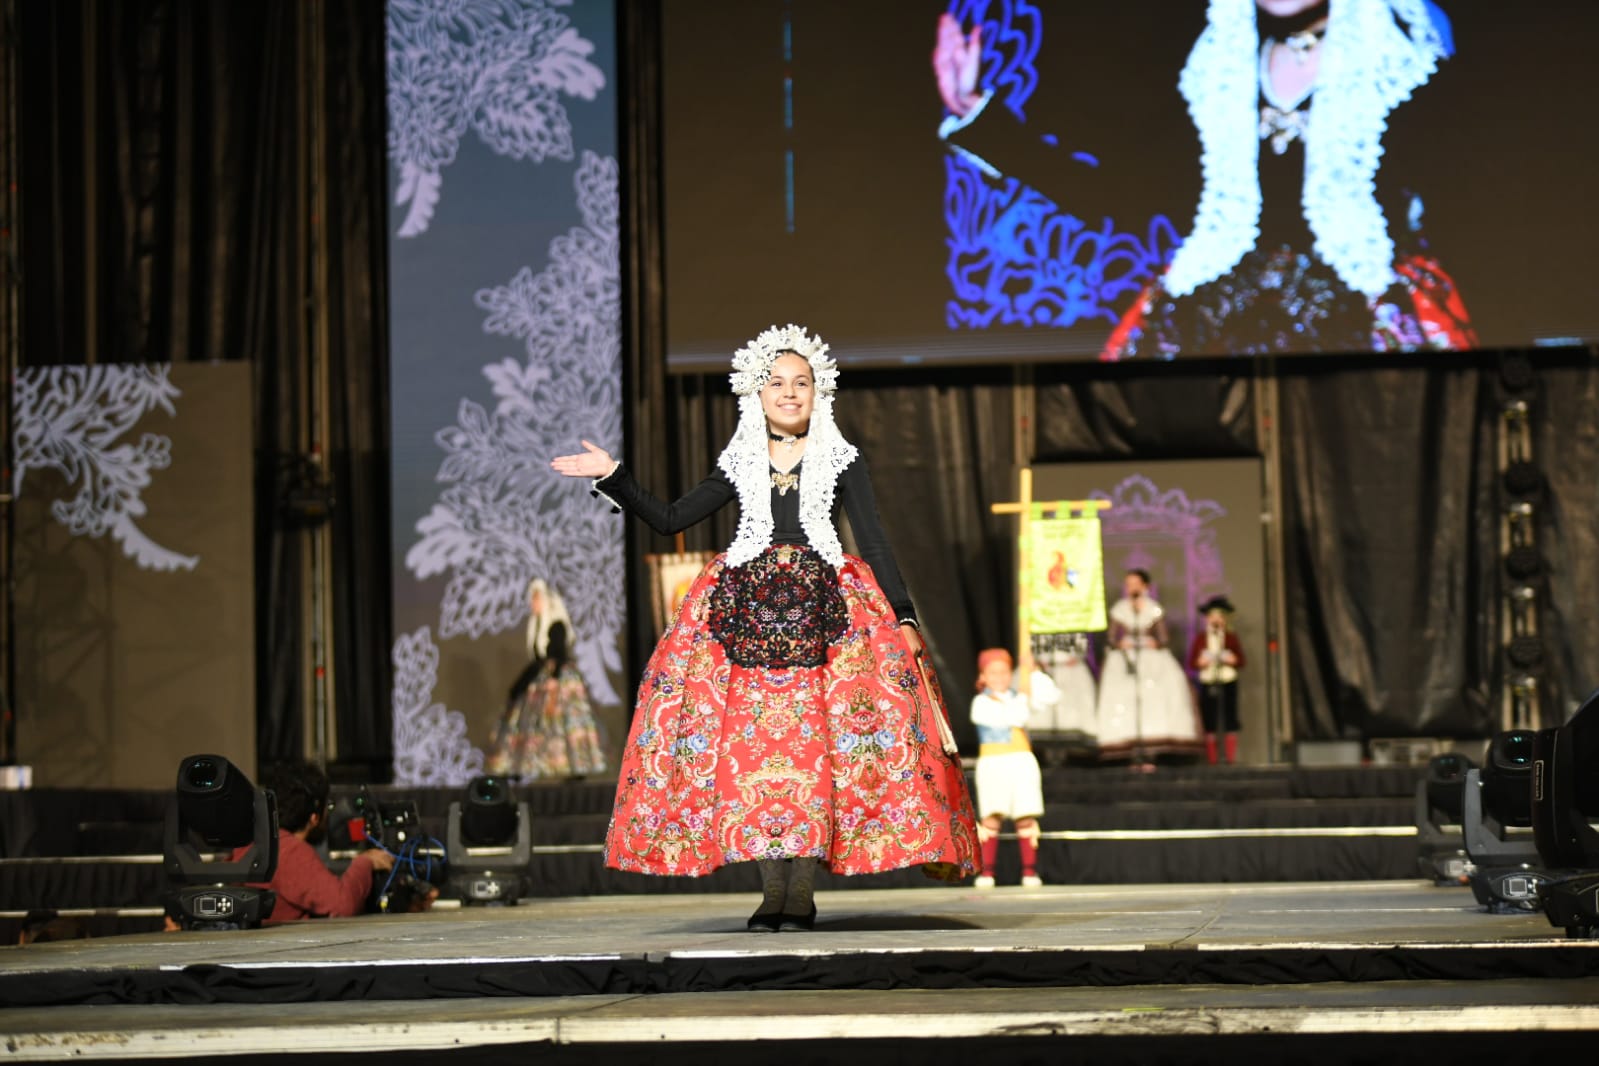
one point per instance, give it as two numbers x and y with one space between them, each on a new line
1142 181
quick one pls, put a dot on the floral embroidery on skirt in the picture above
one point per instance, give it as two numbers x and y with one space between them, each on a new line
551 732
840 760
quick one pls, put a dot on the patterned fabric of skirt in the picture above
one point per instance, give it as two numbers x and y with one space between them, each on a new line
841 762
1287 301
551 732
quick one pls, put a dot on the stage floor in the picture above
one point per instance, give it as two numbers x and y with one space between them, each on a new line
1373 958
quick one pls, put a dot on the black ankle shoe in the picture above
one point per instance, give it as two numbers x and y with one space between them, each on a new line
798 923
764 923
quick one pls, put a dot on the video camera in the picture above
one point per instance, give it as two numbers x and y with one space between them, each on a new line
361 820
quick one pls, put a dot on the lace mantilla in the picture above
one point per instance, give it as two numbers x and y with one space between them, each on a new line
1369 65
747 463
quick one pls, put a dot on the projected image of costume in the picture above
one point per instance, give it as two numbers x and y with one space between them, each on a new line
1302 240
548 730
784 717
1145 705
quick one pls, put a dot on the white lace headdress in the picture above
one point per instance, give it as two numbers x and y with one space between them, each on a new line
746 460
538 626
1369 65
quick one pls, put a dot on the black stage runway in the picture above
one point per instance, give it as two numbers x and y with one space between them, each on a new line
1318 972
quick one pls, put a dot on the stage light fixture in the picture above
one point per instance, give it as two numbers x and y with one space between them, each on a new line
489 844
217 807
1523 563
1565 803
1522 478
1440 800
1525 653
1572 904
1515 372
1505 869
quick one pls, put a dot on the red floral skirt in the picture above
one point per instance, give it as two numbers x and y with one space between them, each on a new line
839 761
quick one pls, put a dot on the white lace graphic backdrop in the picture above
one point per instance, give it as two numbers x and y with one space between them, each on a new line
504 516
73 419
430 743
498 68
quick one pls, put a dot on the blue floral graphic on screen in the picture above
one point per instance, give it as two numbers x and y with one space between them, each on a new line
1015 257
1012 30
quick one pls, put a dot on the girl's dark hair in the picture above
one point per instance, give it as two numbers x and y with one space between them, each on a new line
1142 574
302 790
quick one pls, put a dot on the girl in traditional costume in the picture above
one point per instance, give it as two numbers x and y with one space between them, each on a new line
785 717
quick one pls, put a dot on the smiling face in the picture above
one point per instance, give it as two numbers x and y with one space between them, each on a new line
996 676
789 394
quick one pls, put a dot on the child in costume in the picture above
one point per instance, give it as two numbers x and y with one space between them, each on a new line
1215 656
1009 784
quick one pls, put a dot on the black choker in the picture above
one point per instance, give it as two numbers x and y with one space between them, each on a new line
789 439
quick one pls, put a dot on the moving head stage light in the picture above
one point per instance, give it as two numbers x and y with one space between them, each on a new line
490 844
1498 798
1565 803
1440 799
217 808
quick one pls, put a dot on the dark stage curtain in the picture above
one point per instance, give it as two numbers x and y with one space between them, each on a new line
1093 412
1566 448
168 176
1391 551
1395 581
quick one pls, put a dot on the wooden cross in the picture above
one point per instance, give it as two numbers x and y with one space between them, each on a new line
1029 509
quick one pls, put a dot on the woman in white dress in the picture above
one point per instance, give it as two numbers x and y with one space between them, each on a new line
1146 706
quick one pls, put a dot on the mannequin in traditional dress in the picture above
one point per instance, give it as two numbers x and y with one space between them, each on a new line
548 730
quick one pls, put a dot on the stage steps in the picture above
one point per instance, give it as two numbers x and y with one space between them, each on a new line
1102 825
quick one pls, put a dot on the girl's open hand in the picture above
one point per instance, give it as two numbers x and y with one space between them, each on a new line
593 462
